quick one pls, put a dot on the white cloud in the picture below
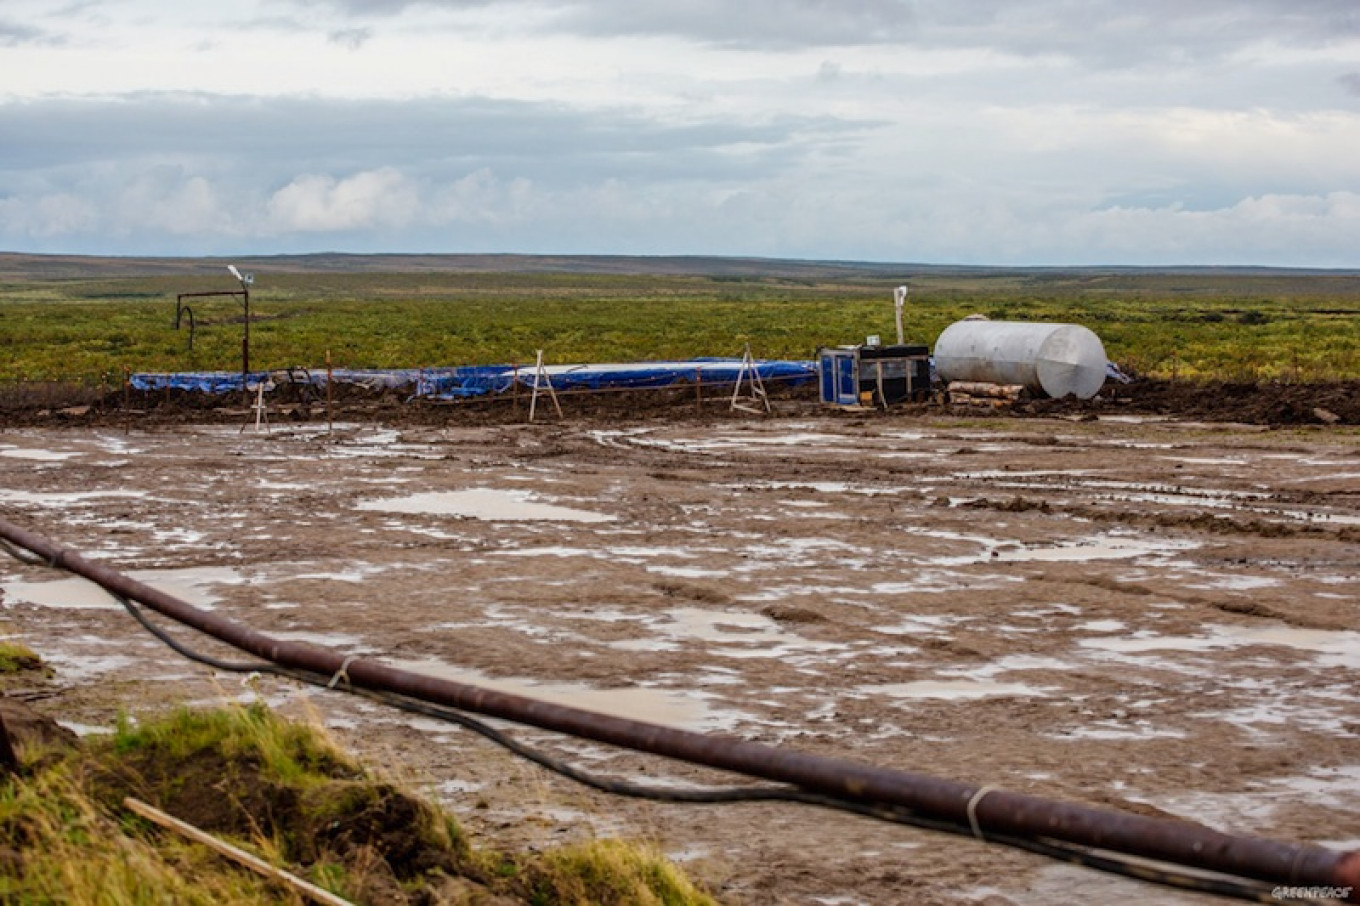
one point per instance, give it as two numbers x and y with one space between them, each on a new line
45 217
1254 229
166 198
378 199
1005 131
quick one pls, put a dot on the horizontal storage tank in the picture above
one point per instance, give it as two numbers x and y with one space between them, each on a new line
1055 359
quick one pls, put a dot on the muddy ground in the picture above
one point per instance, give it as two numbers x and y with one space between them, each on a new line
42 404
1117 609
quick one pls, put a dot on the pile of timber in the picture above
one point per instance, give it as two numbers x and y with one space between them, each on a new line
979 393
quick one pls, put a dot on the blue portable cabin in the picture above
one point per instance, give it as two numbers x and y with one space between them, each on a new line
863 376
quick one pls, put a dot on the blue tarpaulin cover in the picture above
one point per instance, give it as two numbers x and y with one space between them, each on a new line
480 380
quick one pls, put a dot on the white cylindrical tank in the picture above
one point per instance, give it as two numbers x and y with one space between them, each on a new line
1055 359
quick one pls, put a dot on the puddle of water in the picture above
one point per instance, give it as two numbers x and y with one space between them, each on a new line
1206 460
1102 625
681 553
1111 731
1236 583
1277 712
73 594
1335 648
354 575
724 628
36 455
784 440
733 635
1013 662
82 668
1320 788
1105 548
687 572
951 690
1060 883
79 594
551 551
922 623
672 708
838 488
336 640
941 581
483 503
54 499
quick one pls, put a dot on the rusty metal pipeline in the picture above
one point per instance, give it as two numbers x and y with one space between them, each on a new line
1295 865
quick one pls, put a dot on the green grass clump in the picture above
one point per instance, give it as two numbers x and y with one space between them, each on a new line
286 752
614 873
285 792
16 657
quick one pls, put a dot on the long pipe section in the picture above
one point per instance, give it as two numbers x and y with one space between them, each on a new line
1178 842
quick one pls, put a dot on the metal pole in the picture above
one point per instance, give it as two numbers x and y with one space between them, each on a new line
330 379
245 343
985 808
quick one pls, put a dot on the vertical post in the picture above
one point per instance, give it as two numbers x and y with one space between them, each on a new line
699 389
899 299
245 343
514 388
882 397
127 400
330 379
533 398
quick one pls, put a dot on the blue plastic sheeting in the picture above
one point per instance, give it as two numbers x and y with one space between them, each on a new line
462 382
1114 373
471 380
213 382
480 380
220 382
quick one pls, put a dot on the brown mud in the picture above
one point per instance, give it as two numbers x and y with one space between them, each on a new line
1254 403
1095 603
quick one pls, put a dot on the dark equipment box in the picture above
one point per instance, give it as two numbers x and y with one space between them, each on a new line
865 376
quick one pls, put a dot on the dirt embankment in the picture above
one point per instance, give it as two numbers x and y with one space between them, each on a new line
1248 403
1255 403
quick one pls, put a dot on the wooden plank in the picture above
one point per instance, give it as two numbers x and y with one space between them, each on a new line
240 856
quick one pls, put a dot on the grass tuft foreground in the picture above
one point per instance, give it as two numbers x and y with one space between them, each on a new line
283 792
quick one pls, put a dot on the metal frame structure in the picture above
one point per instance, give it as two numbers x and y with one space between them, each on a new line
181 310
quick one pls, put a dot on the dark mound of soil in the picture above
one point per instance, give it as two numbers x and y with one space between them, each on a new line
1252 403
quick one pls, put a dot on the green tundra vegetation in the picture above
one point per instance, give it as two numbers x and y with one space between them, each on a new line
1195 324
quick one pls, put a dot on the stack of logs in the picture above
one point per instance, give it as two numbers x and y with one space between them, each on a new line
978 393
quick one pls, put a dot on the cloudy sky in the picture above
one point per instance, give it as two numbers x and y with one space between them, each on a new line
947 131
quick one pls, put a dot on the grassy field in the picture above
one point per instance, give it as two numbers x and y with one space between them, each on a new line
89 326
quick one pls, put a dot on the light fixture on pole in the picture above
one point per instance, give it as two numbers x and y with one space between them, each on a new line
245 280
